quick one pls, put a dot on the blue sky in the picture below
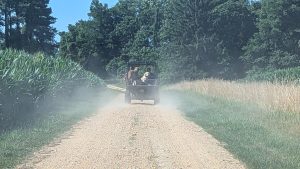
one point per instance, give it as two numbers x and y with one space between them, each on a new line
70 11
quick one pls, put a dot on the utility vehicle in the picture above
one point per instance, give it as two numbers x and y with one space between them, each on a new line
142 82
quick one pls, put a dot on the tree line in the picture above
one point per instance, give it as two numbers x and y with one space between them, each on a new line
190 39
26 25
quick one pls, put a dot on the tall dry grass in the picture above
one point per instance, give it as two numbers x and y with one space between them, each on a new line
274 97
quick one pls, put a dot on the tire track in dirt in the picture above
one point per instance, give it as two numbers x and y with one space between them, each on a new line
134 136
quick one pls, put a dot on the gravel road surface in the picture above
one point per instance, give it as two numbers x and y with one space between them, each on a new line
134 136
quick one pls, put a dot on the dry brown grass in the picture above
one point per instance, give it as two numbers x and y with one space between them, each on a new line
274 97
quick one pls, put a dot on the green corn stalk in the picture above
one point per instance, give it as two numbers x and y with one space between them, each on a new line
32 77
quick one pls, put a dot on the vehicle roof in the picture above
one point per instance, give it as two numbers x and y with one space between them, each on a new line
142 63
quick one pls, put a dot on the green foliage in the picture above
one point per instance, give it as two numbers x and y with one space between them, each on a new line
117 67
276 45
205 38
90 43
189 39
112 37
27 25
289 75
26 80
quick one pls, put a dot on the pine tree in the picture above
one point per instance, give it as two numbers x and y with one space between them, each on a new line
27 25
38 32
19 8
6 12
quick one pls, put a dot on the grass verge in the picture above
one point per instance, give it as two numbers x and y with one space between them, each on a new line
260 138
17 144
271 96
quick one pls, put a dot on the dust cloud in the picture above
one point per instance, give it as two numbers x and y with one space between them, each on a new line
138 135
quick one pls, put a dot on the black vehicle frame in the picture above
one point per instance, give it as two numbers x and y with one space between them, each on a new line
138 90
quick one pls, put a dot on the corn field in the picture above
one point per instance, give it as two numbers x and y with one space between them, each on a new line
273 96
25 80
282 76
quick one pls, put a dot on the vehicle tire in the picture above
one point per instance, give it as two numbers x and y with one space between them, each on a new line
127 97
156 101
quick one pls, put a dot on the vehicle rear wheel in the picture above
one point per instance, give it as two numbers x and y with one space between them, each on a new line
127 97
156 101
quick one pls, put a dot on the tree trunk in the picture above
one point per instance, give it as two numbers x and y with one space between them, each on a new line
6 23
18 27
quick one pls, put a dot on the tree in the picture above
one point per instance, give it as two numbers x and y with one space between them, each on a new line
6 12
233 24
276 45
206 37
38 32
188 40
137 29
89 42
27 25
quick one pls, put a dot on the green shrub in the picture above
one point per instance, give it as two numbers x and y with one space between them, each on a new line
26 80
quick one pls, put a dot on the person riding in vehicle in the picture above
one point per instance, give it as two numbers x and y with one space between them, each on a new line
148 77
132 75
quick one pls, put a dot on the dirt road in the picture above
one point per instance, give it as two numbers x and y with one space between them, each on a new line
134 136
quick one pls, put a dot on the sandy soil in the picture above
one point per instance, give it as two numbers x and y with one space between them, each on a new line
134 136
